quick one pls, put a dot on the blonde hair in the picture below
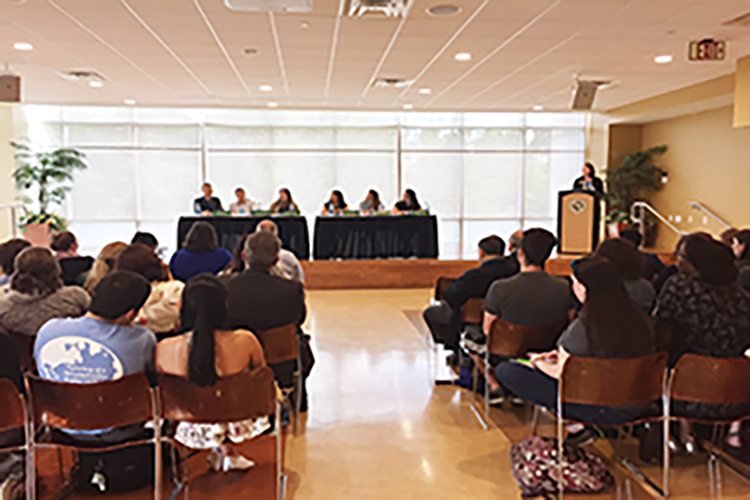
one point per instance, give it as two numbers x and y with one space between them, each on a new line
104 264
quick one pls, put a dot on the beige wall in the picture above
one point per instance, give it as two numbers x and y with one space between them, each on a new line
7 187
707 161
624 139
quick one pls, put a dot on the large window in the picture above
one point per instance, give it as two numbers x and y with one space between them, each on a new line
480 173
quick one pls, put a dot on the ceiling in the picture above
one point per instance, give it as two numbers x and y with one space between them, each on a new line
525 52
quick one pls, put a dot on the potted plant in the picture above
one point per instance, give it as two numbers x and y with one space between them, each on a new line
636 178
50 174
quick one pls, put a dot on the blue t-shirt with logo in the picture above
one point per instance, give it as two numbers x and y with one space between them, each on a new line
88 350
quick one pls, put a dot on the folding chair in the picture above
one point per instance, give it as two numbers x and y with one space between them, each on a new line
281 345
25 345
614 383
13 417
247 395
86 407
708 380
513 341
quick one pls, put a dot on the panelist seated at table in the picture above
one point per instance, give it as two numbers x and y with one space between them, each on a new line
242 205
285 203
371 204
335 205
408 204
208 203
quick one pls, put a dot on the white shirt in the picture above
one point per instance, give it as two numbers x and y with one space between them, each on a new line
291 266
246 208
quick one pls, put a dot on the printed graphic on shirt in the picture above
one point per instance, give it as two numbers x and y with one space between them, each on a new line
78 360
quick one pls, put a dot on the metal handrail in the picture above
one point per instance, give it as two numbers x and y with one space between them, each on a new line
641 207
697 205
13 207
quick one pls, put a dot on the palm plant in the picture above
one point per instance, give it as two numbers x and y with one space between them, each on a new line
51 173
636 177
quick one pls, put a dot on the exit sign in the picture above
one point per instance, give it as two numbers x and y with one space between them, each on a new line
708 50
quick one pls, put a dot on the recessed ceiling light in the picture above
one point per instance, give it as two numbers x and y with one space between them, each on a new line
663 59
408 106
538 107
25 46
424 91
443 10
266 88
273 105
129 102
463 56
97 84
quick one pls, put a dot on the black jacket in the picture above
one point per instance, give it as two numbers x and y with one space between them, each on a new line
474 283
595 181
203 205
260 301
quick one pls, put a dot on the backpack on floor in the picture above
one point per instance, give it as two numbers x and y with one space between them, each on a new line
535 467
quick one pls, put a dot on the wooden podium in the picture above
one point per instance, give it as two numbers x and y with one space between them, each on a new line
578 216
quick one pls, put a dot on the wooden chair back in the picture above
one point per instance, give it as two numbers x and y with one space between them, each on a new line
719 381
442 285
25 345
472 312
614 382
279 344
118 403
12 408
247 395
508 339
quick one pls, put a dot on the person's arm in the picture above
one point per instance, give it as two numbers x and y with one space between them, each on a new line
492 305
254 348
489 318
457 293
550 363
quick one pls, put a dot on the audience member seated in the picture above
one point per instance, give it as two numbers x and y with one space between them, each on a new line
161 312
74 267
629 262
104 264
530 298
147 239
371 204
727 236
201 253
609 325
443 318
37 294
238 264
704 311
670 271
408 204
204 355
741 249
652 264
102 345
287 260
335 205
8 252
285 203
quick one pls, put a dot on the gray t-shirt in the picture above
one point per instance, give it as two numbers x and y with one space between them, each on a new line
530 299
641 292
574 339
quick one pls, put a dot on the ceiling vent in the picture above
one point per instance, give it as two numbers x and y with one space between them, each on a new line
392 83
270 5
742 21
81 76
380 8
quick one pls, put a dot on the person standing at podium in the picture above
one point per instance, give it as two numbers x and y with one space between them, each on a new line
589 181
208 203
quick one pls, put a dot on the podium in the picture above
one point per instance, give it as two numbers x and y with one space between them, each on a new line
578 222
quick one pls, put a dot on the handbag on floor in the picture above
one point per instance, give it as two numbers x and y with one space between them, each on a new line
535 467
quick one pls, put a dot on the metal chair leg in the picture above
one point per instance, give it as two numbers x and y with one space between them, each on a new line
535 420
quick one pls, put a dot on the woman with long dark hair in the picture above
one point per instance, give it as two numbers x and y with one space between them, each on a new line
609 326
285 203
630 263
200 253
204 355
741 250
371 204
336 204
589 181
409 203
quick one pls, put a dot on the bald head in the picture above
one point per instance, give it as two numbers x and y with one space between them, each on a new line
267 226
514 242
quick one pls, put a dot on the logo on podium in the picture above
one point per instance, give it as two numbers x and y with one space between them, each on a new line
577 206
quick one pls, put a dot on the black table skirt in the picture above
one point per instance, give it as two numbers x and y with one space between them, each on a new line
375 237
292 231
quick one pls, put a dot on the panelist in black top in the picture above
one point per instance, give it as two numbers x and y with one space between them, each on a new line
589 181
208 203
336 205
408 204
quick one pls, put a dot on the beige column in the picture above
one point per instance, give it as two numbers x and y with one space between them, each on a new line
7 165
